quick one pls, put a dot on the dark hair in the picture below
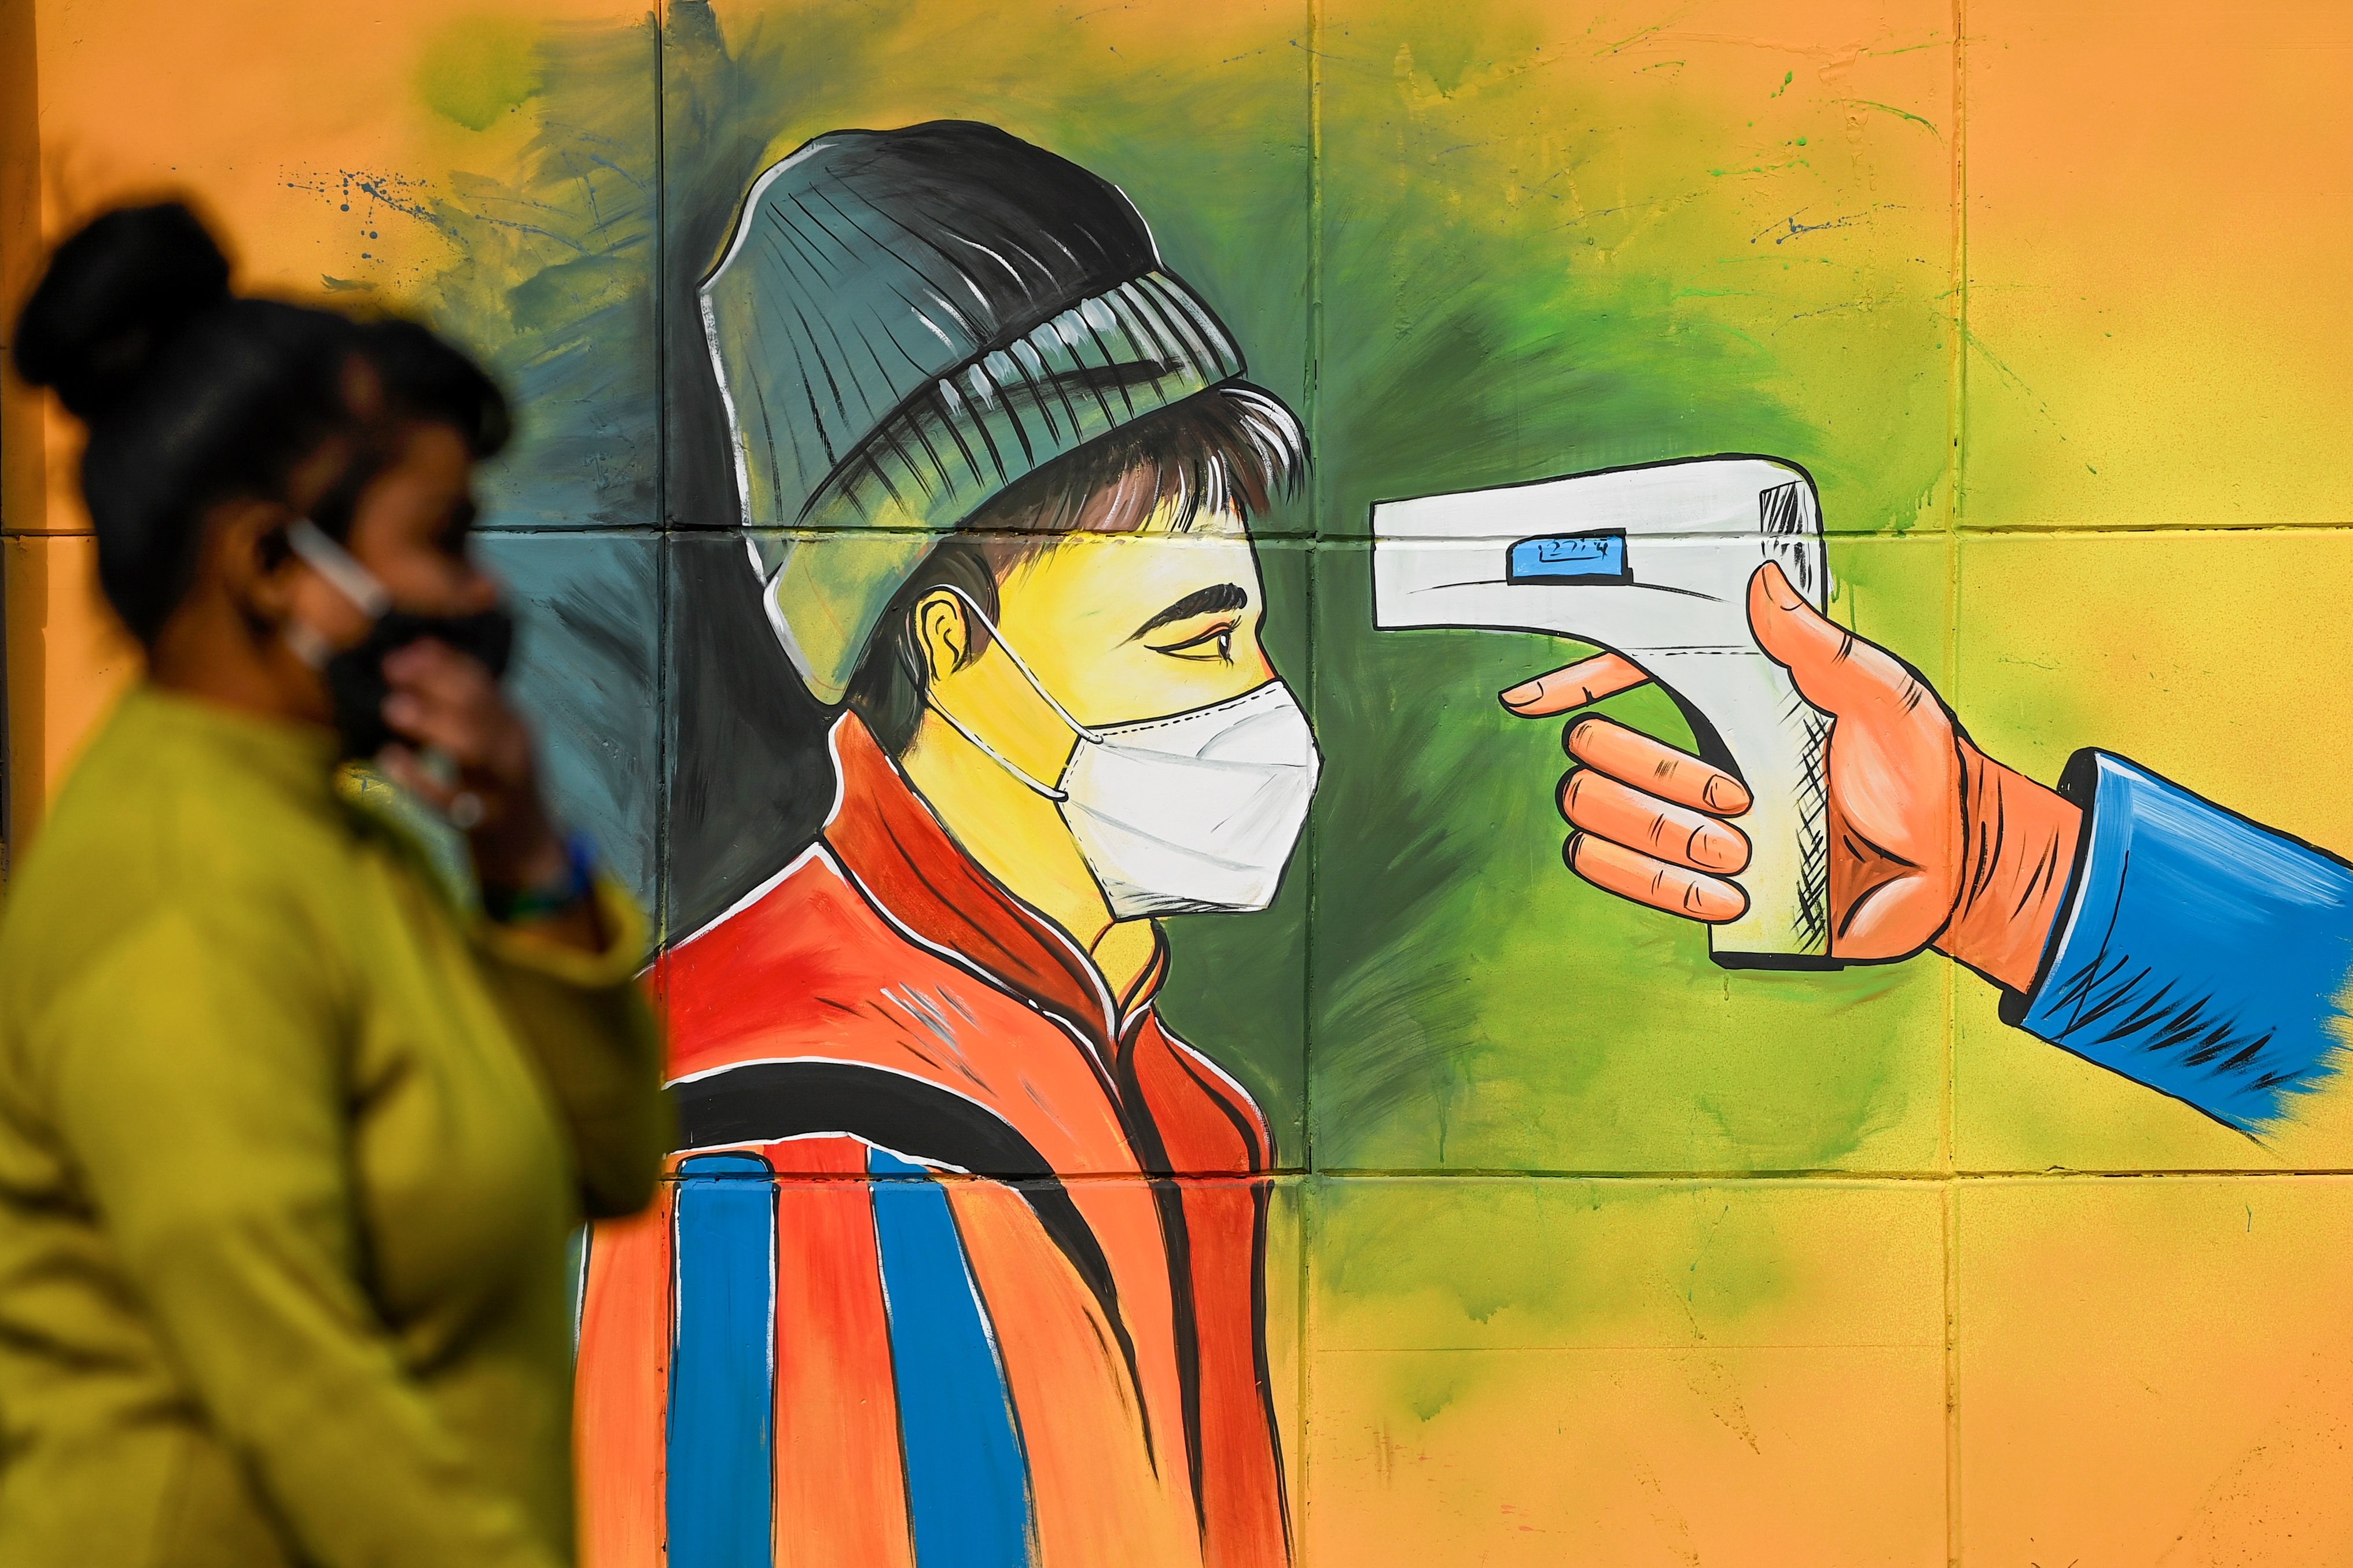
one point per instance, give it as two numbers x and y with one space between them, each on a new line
195 395
1231 449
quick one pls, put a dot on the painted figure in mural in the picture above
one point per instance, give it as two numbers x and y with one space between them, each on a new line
996 469
2126 919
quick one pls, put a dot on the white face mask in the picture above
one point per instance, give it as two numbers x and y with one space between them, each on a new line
1197 813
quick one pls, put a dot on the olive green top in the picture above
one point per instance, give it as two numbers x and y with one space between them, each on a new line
290 1147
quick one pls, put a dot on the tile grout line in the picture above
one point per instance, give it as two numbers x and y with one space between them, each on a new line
1793 1181
663 627
1343 540
1335 540
1801 1176
1308 1203
1949 1214
1957 418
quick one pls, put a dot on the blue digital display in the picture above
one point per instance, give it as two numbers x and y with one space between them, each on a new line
1569 558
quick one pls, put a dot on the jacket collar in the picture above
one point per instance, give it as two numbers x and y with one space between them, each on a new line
887 837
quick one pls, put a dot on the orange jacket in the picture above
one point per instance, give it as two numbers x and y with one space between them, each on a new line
963 1258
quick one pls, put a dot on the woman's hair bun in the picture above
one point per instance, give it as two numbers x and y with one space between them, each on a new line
114 294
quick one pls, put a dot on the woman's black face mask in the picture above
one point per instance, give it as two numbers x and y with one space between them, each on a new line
356 687
355 682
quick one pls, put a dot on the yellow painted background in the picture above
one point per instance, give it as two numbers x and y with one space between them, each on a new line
2084 355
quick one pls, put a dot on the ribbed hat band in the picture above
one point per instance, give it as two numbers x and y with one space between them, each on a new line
1103 362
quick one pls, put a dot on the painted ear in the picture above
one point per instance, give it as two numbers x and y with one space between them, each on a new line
945 632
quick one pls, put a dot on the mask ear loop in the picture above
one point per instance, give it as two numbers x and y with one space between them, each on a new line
1048 790
338 566
354 581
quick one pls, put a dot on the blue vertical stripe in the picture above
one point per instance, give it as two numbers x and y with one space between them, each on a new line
967 1484
722 1400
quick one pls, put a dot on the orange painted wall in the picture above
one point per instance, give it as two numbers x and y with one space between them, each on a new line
2060 290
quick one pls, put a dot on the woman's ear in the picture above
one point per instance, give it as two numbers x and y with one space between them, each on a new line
943 630
251 560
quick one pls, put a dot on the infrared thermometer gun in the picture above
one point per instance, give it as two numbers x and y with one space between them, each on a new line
1653 563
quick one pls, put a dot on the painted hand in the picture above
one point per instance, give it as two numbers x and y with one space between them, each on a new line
1932 842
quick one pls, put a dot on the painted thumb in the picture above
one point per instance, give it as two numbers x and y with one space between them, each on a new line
1834 669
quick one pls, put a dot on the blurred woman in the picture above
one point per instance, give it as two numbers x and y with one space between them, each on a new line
295 1116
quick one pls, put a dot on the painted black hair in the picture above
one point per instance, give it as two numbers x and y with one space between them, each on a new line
193 395
1231 450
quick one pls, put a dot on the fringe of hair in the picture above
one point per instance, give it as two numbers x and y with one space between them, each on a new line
1232 451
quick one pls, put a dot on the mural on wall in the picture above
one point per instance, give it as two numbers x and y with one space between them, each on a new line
969 412
1042 532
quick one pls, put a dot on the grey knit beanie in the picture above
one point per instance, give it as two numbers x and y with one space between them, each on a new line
903 323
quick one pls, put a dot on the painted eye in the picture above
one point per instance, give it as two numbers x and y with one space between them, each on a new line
1210 642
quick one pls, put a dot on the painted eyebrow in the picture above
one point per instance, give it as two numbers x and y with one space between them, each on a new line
1200 601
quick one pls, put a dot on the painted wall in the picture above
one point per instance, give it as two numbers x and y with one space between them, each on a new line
1584 1249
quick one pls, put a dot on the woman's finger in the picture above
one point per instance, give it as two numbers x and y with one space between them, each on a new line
450 702
457 729
1631 874
1600 804
433 697
405 768
439 674
1655 768
1587 680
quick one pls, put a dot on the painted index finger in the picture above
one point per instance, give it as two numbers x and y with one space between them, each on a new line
1655 768
1574 686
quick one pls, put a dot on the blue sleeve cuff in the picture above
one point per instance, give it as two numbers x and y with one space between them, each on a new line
2197 954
